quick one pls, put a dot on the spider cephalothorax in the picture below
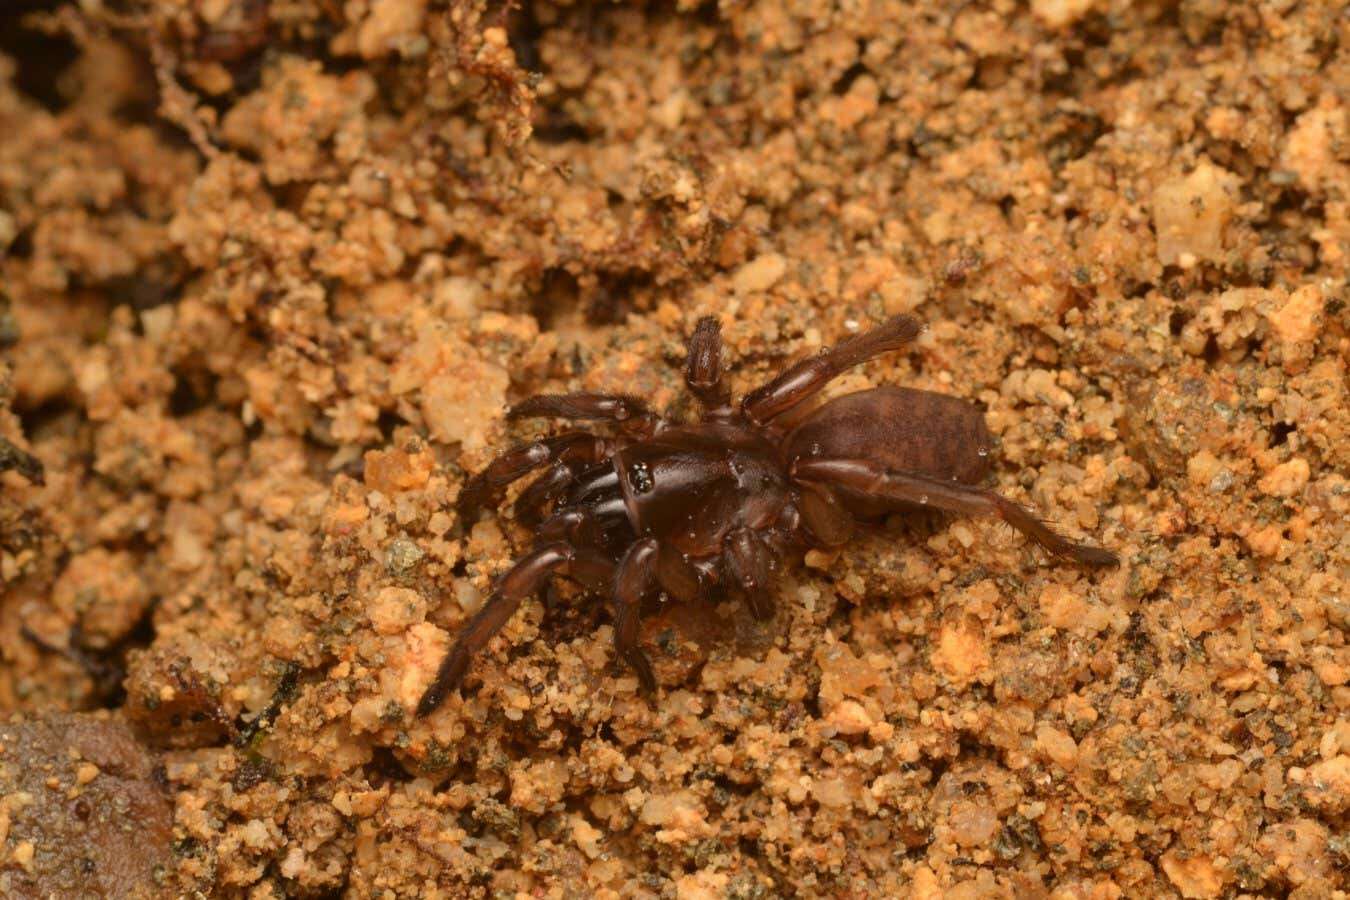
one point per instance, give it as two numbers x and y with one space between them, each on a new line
684 507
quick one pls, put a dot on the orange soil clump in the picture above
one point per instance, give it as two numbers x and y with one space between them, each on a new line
272 272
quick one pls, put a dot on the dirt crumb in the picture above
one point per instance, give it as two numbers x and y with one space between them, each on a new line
272 273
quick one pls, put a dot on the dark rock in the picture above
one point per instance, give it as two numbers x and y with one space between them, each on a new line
85 815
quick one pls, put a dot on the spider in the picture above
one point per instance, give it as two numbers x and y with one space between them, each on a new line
681 508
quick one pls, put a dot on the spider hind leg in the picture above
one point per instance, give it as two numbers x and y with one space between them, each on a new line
908 489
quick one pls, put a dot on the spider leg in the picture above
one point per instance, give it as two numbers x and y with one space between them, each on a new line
823 515
803 379
582 525
750 564
676 575
902 487
572 526
634 577
597 482
703 370
529 506
630 413
519 582
571 447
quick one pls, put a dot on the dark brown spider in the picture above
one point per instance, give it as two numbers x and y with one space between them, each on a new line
680 508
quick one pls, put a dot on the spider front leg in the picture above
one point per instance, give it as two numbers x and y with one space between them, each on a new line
529 506
874 481
802 380
574 447
519 582
629 413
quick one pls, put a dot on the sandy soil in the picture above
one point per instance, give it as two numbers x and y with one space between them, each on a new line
272 271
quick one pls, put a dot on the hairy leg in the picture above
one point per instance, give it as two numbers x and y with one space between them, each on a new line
574 447
519 582
900 487
629 413
800 381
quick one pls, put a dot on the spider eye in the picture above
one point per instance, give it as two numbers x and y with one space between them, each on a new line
640 477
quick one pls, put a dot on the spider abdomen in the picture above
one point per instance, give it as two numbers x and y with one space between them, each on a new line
901 429
935 435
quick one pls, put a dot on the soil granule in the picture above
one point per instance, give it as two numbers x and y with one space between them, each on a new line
272 272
